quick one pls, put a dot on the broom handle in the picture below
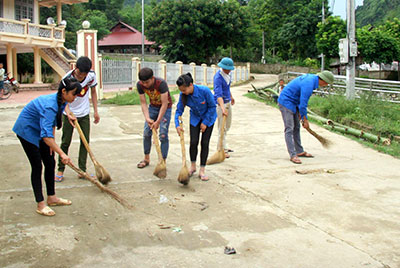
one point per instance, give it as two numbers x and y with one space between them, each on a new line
157 144
181 135
100 186
221 137
83 138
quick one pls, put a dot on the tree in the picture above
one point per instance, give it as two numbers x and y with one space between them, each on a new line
98 21
192 30
132 15
377 45
375 12
290 25
328 35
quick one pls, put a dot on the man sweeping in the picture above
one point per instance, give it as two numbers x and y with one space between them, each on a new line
157 114
293 102
223 98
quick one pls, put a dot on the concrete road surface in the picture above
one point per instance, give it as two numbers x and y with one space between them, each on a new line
344 213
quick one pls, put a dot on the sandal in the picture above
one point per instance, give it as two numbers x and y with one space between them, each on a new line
58 178
295 160
61 202
203 177
46 211
142 164
305 154
191 172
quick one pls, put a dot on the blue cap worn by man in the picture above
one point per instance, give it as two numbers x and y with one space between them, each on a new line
223 97
293 102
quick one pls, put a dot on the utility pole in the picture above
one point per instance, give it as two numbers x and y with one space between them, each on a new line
263 48
323 20
351 37
142 30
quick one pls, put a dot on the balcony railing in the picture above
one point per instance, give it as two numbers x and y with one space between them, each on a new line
30 29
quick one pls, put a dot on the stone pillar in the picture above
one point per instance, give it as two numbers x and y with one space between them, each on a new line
163 67
87 46
193 65
135 70
235 78
180 67
9 60
59 12
14 63
100 75
214 67
37 66
248 70
204 73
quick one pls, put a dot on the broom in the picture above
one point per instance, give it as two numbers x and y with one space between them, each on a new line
325 142
101 173
219 156
102 188
183 176
160 169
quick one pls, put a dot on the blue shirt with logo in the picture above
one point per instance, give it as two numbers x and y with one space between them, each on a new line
202 107
221 88
37 119
297 93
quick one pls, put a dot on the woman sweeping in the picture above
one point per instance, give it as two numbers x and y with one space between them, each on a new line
203 114
35 128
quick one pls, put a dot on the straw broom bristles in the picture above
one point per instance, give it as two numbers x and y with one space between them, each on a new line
161 168
183 176
102 188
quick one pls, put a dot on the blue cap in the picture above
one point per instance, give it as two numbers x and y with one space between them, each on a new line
226 63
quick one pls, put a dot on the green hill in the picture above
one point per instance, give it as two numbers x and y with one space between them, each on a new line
376 12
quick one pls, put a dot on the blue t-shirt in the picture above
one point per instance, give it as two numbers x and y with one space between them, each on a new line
37 119
297 93
221 88
202 107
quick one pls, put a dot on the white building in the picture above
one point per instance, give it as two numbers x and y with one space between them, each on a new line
20 32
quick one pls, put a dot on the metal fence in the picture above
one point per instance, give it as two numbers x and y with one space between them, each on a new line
117 72
125 72
383 89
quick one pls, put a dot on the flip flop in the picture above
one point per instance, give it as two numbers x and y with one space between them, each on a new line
203 177
305 154
60 202
191 172
46 211
58 178
295 160
142 164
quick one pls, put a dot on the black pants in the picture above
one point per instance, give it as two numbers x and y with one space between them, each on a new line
36 156
194 141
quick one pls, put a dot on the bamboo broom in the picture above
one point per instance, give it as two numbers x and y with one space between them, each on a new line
219 156
183 176
102 187
101 173
161 169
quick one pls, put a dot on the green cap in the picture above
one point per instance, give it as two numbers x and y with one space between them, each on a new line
327 76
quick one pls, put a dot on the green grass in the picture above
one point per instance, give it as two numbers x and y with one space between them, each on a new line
132 98
366 113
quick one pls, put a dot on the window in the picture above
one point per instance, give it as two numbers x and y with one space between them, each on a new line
24 9
1 8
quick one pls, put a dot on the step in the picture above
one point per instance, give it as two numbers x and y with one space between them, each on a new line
38 86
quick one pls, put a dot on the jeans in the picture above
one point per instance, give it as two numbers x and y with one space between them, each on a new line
163 135
292 131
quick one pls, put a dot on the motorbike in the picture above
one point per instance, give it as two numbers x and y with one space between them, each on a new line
10 85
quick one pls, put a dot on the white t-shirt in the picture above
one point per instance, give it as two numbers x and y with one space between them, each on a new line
81 106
